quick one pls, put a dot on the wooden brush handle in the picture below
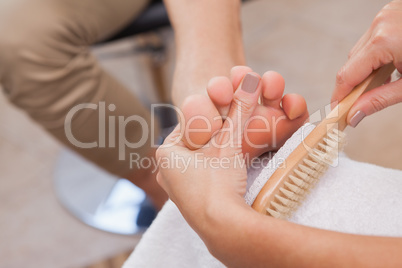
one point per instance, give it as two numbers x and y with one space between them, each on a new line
336 119
376 79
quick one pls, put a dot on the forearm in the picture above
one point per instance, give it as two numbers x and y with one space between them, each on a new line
242 238
208 41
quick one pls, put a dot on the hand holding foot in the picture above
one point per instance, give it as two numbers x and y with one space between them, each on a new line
214 171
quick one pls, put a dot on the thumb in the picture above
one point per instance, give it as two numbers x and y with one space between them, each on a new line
244 101
375 100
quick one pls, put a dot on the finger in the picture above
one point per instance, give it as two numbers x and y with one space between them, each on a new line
376 25
160 181
361 43
174 138
375 100
358 68
245 100
172 143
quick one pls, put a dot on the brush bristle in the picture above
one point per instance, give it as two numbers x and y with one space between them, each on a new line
302 179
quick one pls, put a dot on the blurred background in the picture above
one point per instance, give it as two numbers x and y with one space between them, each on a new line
306 41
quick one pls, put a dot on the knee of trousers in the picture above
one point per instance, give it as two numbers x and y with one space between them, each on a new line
45 70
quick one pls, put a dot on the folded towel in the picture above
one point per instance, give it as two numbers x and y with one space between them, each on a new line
353 197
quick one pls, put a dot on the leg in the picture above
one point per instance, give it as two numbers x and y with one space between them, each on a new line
47 69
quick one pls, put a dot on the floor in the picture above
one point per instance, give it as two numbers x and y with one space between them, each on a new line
307 41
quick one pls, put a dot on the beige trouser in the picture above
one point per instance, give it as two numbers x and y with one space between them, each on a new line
46 69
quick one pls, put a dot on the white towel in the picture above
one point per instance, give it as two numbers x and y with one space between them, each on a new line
353 197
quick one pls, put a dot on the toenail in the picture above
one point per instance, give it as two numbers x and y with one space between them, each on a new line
250 83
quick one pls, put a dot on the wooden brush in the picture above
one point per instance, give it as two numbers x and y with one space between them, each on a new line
289 185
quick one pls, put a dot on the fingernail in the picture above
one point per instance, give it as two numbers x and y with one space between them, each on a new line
250 83
357 118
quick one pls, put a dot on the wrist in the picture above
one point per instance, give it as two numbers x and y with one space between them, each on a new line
222 216
226 227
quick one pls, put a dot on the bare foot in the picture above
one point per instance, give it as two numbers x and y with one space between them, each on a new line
272 123
275 119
